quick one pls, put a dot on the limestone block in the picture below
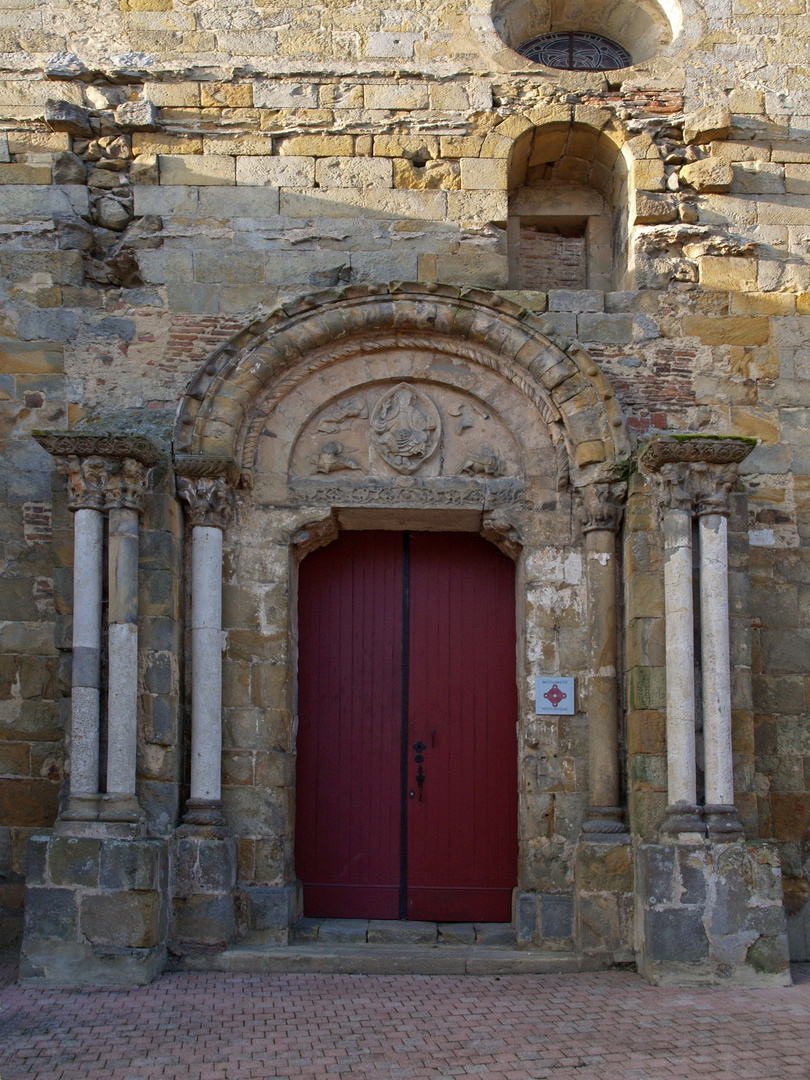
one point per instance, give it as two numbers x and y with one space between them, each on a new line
731 274
242 202
484 174
315 203
254 143
277 95
416 205
160 143
165 266
299 267
420 147
477 206
129 919
449 97
396 95
347 172
375 266
62 116
433 175
759 178
729 330
739 151
196 170
457 146
317 146
276 171
575 300
173 95
746 101
649 175
711 175
605 329
797 179
484 271
392 44
25 174
707 124
655 209
137 116
144 170
164 200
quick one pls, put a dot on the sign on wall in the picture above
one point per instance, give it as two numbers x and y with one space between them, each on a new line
554 695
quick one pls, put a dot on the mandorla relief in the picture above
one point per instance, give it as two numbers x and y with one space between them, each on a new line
405 430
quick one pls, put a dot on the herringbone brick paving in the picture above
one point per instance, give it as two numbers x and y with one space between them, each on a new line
607 1026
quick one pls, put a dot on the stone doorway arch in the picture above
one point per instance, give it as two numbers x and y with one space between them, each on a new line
404 406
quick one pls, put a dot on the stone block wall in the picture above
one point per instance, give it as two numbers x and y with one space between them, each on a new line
161 200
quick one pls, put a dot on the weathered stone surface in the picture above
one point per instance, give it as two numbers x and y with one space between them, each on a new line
62 116
68 168
137 115
704 125
655 209
129 919
383 931
710 175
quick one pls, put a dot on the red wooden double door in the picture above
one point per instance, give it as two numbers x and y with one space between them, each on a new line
406 803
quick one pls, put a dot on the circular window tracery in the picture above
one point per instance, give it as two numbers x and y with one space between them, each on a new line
574 50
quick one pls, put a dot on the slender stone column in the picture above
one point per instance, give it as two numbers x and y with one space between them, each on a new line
209 505
600 513
719 812
86 486
124 500
695 474
683 813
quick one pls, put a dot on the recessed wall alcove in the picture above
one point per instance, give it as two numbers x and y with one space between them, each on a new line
640 27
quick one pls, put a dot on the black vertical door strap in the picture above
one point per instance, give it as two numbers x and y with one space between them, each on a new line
403 828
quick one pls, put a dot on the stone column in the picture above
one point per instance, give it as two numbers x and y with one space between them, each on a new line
714 484
600 511
695 475
87 478
124 501
209 506
683 813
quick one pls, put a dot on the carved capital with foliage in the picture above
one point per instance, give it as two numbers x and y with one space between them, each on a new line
209 500
600 505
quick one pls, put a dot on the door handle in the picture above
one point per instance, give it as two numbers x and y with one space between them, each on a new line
419 747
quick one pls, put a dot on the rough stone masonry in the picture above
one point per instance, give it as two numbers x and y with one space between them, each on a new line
227 232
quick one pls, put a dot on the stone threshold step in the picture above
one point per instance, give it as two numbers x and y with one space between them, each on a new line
389 960
400 932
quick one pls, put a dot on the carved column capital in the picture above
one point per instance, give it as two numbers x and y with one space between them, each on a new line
103 471
209 500
86 481
695 472
601 505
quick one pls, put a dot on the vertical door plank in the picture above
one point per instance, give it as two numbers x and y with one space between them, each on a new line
462 836
348 765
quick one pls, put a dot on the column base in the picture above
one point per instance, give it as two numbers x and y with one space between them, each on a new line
205 812
722 822
120 806
606 823
683 819
81 808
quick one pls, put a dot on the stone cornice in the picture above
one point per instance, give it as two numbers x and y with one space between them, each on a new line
196 466
79 444
692 449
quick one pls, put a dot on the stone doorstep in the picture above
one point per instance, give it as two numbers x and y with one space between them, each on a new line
401 932
353 959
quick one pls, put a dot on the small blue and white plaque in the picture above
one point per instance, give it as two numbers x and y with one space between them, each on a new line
554 695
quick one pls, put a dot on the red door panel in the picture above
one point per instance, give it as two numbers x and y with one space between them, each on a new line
461 850
462 704
348 803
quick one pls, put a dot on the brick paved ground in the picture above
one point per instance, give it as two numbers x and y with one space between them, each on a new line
569 1027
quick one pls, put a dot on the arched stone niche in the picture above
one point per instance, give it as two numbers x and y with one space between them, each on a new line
408 409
